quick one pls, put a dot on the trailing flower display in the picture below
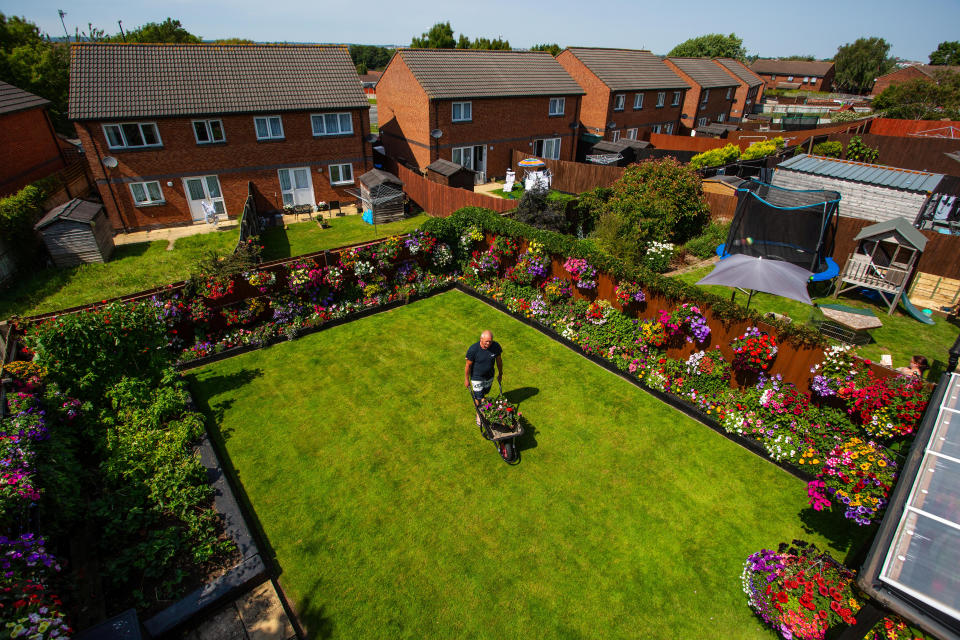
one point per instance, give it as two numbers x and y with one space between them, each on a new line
420 242
584 274
262 280
216 288
629 293
754 350
857 474
556 289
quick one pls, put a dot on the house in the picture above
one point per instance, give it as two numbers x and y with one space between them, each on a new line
171 129
473 107
912 72
795 74
369 82
711 98
27 138
749 90
630 93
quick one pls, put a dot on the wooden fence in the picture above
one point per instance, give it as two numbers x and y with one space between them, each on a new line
73 183
575 177
916 153
440 200
895 127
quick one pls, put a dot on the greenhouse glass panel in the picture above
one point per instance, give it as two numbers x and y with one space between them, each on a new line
946 437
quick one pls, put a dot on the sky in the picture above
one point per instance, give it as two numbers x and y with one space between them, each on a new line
811 27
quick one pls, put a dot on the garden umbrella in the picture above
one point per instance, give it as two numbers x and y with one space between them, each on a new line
759 274
531 162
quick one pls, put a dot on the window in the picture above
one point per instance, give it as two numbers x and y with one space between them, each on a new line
132 135
208 131
269 128
341 174
806 80
556 106
668 128
638 101
661 98
789 78
701 122
615 135
631 134
655 128
773 77
462 111
618 101
749 102
676 99
146 193
296 186
547 148
729 92
331 124
706 95
721 117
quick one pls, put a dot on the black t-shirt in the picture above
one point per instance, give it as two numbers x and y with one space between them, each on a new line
483 359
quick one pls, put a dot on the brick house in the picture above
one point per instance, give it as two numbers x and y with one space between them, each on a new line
631 89
711 98
912 72
795 74
749 90
478 105
27 138
169 129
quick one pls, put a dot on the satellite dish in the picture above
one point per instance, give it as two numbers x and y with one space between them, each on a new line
612 125
110 162
372 137
436 133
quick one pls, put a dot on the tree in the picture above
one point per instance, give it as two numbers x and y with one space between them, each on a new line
857 65
946 53
31 61
169 30
712 45
553 49
536 210
440 36
372 56
233 41
362 69
922 98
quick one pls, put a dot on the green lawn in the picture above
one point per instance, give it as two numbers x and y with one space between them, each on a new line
390 517
901 336
136 267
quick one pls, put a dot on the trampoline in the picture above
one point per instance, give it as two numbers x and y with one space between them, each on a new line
784 224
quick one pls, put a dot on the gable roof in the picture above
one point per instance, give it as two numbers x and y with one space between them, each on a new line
926 69
149 80
792 67
477 73
76 210
704 72
13 99
445 167
628 69
898 225
740 70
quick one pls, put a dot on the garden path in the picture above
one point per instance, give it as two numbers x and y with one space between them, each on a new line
256 615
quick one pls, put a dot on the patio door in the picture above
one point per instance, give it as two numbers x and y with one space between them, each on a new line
473 157
203 189
547 148
296 185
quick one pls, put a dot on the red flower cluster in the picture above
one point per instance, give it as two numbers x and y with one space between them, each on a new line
754 350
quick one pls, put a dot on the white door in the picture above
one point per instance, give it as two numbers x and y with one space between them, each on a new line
473 158
296 186
203 189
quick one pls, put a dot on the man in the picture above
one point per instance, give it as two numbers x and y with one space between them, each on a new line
478 373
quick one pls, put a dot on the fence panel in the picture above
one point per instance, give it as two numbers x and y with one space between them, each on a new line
575 177
440 200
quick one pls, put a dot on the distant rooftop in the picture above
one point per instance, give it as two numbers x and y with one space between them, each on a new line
704 72
792 67
877 174
628 69
740 70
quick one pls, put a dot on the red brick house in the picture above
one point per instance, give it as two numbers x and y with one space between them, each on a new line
795 74
473 107
30 147
749 90
168 129
711 98
631 89
913 72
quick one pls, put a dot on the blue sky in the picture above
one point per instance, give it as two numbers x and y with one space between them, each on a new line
814 27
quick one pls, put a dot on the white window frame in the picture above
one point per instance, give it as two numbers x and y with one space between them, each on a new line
321 119
637 101
292 191
655 128
702 122
706 96
676 99
208 128
465 108
619 101
668 128
615 135
632 133
789 78
339 168
729 92
721 117
146 192
543 148
557 105
125 143
268 120
806 79
661 98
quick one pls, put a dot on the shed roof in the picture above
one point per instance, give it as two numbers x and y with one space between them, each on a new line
478 73
445 167
628 69
13 99
377 177
740 70
607 146
704 72
712 129
76 210
884 176
898 225
792 67
109 80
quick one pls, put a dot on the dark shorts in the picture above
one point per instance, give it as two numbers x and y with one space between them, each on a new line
480 388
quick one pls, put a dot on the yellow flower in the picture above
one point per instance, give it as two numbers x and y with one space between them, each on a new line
816 461
865 466
871 458
881 463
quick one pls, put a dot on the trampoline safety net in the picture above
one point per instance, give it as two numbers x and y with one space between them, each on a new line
783 224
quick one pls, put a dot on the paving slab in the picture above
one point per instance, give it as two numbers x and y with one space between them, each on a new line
225 625
263 616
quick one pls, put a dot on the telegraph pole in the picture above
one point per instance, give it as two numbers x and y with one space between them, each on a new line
122 34
65 32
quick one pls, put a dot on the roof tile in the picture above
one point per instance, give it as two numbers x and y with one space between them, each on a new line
628 69
13 99
704 72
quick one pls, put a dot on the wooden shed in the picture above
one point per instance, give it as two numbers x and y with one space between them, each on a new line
451 174
382 197
77 232
619 153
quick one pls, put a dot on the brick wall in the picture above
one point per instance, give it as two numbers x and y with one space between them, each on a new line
403 111
241 158
30 149
596 104
693 106
897 77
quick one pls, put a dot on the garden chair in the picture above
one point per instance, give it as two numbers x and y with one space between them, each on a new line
334 204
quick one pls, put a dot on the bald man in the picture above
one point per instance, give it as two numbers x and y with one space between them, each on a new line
478 374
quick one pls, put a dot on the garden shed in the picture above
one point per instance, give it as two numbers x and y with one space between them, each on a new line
382 197
77 232
451 174
619 153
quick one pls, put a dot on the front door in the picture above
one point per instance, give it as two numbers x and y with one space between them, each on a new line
203 189
296 186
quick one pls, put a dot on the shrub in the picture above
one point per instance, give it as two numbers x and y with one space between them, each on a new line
705 245
858 151
658 256
539 210
18 213
715 157
762 149
830 149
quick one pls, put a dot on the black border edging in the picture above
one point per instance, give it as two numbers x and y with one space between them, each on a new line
677 403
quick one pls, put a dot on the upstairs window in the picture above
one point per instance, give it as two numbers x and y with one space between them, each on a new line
661 98
676 99
208 131
706 95
463 111
729 92
331 124
556 106
618 101
132 135
269 128
638 101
